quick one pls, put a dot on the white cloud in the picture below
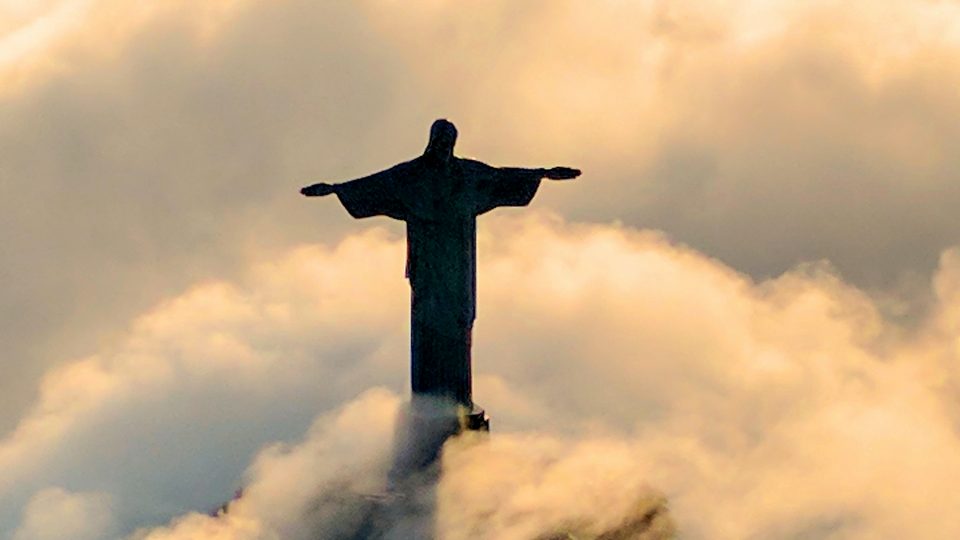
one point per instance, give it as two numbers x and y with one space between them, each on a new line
156 145
617 367
151 145
167 417
55 514
311 489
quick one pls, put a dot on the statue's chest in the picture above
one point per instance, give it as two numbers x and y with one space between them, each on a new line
439 195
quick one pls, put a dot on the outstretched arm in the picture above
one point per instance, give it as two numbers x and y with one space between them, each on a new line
374 195
377 180
510 186
556 173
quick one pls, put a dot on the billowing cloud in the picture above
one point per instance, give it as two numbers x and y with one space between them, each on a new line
54 514
765 133
747 363
621 371
331 485
129 175
312 489
166 418
147 146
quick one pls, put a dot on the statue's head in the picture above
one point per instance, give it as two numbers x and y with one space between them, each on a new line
443 135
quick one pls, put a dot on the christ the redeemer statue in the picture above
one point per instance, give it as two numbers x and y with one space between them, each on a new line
439 196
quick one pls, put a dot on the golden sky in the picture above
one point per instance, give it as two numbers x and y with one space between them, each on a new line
747 304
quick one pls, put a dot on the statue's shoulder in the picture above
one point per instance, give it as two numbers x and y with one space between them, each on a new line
405 172
472 167
407 166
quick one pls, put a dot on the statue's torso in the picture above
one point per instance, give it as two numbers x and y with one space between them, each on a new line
441 243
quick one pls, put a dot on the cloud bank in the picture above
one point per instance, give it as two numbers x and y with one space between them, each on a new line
147 146
630 371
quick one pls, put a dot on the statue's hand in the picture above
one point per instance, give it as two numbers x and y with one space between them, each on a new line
561 173
318 190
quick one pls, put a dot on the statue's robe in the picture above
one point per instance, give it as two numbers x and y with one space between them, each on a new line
440 203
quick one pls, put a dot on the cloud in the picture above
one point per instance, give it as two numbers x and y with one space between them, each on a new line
54 514
331 485
764 133
166 418
309 489
802 151
148 146
620 369
129 175
523 486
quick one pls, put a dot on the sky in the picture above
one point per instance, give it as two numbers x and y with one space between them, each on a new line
744 310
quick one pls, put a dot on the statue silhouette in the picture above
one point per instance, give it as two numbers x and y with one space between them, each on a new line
439 196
